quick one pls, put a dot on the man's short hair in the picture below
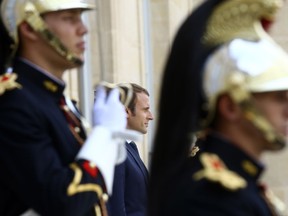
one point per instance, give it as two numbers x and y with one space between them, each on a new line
136 89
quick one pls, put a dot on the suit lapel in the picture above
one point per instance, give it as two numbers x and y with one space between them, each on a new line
138 160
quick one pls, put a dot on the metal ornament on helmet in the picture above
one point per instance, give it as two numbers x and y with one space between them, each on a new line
233 67
14 12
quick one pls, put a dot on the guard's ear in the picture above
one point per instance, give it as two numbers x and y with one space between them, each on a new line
227 108
27 31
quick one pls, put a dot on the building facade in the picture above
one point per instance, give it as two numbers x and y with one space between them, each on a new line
129 41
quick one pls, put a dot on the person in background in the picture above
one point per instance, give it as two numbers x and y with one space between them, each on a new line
48 164
129 196
225 82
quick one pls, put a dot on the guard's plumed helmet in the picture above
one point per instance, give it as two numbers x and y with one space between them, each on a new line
14 12
246 61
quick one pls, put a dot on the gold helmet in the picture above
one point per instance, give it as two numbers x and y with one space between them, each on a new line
246 61
14 12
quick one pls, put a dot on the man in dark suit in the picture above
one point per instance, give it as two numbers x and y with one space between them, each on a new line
47 165
129 196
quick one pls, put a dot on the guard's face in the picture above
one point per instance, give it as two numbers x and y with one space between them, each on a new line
68 26
139 120
274 107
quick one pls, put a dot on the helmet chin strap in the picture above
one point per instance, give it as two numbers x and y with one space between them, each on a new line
259 121
243 97
37 23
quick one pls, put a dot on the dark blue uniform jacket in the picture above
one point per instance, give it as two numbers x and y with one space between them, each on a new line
207 197
37 150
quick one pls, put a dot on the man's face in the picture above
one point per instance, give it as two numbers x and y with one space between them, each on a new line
68 26
139 120
274 107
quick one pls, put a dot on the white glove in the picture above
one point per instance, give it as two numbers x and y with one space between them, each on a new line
108 110
101 147
110 113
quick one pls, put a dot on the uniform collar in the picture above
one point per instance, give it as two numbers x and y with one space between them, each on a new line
40 77
41 70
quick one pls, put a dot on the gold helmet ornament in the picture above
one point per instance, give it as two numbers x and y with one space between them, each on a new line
14 12
246 61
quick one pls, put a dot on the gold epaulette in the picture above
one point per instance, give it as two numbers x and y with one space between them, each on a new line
216 171
8 82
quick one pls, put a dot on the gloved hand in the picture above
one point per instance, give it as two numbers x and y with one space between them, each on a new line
102 147
108 110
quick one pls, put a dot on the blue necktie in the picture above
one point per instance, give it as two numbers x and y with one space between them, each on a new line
134 146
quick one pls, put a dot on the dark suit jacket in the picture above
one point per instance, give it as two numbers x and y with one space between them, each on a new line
130 186
37 149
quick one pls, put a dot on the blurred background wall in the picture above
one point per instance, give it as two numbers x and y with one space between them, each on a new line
129 41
